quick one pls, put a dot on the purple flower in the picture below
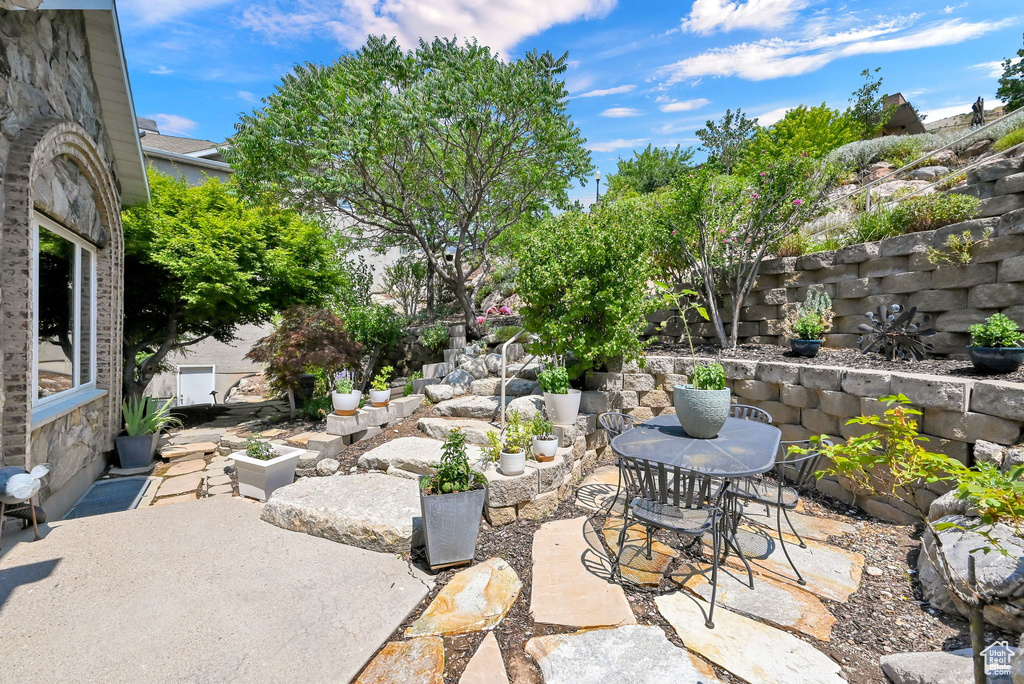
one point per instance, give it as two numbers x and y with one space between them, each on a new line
764 173
756 196
798 202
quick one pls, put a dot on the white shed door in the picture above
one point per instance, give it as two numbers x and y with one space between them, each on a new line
195 383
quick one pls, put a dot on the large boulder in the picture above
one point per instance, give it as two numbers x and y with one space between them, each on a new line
470 406
475 366
936 667
460 381
1000 573
439 392
418 455
493 362
529 406
928 173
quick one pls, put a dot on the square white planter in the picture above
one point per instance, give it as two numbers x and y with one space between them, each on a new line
258 479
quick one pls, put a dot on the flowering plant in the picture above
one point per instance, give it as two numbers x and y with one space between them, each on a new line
343 381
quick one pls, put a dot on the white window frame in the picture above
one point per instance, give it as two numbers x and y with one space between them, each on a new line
48 408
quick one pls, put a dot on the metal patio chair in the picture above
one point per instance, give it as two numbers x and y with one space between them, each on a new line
671 498
746 412
791 474
615 424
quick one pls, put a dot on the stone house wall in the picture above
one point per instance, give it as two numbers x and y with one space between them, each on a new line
806 400
55 159
862 277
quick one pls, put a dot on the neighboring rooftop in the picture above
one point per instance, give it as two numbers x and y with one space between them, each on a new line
171 143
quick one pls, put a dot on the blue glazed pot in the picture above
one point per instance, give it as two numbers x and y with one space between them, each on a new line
807 348
996 359
702 413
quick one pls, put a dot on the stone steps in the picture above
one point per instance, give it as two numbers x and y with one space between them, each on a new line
475 430
366 419
470 406
416 455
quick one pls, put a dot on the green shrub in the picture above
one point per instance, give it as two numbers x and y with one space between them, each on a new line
928 212
435 338
1009 140
258 449
554 380
383 379
813 318
997 331
708 377
506 333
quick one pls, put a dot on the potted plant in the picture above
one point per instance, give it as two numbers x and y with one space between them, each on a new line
380 388
451 503
509 449
811 321
562 402
996 345
544 443
344 398
144 420
263 467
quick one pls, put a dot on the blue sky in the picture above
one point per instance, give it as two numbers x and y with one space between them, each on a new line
642 71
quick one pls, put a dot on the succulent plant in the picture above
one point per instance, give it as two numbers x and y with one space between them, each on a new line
894 334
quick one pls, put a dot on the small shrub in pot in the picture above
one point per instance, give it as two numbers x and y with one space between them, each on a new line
561 401
996 345
509 449
809 324
380 388
263 467
545 444
344 397
452 502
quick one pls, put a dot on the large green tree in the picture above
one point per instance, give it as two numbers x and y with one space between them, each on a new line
441 148
649 170
726 138
813 131
199 262
1011 83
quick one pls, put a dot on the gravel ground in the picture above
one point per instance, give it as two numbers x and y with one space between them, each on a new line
846 358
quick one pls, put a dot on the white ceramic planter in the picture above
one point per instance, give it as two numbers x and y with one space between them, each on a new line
258 479
380 397
346 404
512 464
563 408
544 449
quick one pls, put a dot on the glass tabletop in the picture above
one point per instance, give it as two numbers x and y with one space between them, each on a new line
742 448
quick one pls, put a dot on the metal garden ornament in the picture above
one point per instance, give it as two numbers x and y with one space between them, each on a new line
894 334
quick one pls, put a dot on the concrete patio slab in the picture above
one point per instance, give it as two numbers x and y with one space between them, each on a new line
202 591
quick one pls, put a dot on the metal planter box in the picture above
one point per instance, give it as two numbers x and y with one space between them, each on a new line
136 451
451 523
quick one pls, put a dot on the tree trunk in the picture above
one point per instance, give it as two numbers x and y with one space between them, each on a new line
430 292
472 329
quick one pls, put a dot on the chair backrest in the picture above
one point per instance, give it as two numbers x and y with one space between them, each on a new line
750 413
799 468
665 484
616 423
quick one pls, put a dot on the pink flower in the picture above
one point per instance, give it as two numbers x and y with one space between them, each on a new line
480 320
756 196
764 173
798 202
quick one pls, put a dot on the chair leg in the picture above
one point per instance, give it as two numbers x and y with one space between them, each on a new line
739 553
803 544
622 543
782 542
710 622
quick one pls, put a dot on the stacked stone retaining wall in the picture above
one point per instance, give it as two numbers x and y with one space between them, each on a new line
806 400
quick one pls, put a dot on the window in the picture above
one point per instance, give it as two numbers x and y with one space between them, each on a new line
65 313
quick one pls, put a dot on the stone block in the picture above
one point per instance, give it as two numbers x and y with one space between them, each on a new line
929 391
998 248
756 389
597 439
1011 270
659 365
403 407
758 313
978 189
950 447
949 342
778 373
799 396
970 426
640 414
794 433
866 383
328 445
579 447
586 423
551 474
738 369
861 287
884 266
870 406
849 325
995 296
778 265
638 382
504 490
902 283
775 296
655 399
815 261
938 300
902 245
994 170
1011 223
1000 204
780 413
603 381
969 275
668 381
821 377
856 254
819 422
836 275
771 327
624 399
839 404
540 507
858 307
593 401
960 320
999 398
566 434
498 516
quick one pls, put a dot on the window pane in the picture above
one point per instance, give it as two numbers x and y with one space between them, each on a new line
55 316
85 319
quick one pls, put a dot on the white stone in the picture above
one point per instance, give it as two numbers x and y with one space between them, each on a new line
474 430
439 392
469 407
459 380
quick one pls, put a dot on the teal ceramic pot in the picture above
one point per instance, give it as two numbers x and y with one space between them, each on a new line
806 348
996 359
702 413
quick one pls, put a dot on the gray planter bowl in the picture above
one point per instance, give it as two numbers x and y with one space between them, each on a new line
451 523
996 359
702 413
136 451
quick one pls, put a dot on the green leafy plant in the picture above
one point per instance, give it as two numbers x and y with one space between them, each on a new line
928 212
708 377
317 408
649 170
1011 139
381 381
514 439
409 388
998 330
542 428
1011 82
959 248
256 448
343 381
506 333
147 416
726 139
554 380
810 131
453 474
435 337
813 318
406 281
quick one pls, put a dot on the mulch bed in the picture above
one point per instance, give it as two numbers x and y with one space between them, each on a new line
845 358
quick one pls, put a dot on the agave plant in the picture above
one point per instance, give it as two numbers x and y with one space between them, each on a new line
894 334
147 416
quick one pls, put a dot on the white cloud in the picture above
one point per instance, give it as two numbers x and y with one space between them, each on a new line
173 123
158 11
775 57
617 90
685 105
618 144
247 96
161 71
707 15
621 112
991 69
501 25
773 115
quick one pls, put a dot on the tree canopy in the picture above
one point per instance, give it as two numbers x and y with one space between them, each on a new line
1011 83
648 170
867 105
726 138
199 262
441 148
814 131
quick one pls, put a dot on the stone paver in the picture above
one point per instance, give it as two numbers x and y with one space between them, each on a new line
475 599
270 434
302 438
787 607
486 665
188 451
751 650
830 572
597 488
263 605
220 490
630 654
372 511
419 661
570 578
218 480
180 484
807 526
185 467
937 667
414 455
636 566
181 498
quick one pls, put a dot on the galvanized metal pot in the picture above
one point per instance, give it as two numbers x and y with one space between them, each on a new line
451 523
136 451
702 413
